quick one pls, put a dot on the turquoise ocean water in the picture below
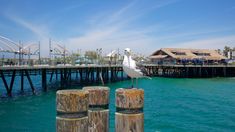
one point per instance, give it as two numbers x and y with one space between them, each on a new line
170 105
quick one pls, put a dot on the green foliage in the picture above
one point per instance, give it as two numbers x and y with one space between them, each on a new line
91 55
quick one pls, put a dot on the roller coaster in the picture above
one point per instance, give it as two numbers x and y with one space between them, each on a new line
18 51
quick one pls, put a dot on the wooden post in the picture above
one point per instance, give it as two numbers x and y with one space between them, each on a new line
187 71
30 81
81 76
56 74
4 81
98 113
11 83
72 106
44 79
122 75
52 73
129 116
61 78
200 71
22 80
224 71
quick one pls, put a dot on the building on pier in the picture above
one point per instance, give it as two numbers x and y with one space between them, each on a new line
186 56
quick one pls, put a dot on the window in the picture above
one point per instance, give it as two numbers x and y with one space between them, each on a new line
179 53
202 54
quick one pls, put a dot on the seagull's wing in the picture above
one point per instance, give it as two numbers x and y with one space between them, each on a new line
142 68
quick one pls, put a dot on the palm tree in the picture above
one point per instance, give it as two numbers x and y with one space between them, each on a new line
226 50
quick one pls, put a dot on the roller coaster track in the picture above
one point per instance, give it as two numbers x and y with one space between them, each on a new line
7 45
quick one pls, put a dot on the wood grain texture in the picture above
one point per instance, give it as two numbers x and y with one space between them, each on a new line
69 104
71 125
98 117
68 101
129 122
98 121
129 98
98 95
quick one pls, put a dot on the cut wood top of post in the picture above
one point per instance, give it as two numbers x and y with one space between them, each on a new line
98 95
70 101
129 98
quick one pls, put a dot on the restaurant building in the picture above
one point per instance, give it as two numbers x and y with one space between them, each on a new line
186 56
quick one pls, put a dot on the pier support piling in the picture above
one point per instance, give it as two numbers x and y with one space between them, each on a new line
4 81
12 82
72 107
224 71
44 79
22 80
98 113
52 73
129 116
30 81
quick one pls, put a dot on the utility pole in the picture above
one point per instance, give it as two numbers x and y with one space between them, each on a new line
97 56
64 54
22 53
29 56
19 53
39 53
100 55
50 50
118 55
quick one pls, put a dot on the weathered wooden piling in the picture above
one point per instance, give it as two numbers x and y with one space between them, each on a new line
72 106
129 116
44 79
98 113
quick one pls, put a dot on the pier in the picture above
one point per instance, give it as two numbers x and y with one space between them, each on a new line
191 71
109 73
63 74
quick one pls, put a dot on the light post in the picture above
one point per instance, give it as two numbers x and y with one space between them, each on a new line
3 60
29 56
50 51
64 55
39 53
97 56
100 55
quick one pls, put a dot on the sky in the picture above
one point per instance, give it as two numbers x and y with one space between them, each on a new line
142 25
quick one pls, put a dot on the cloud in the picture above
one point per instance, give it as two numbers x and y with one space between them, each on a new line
39 31
209 43
114 30
110 39
125 27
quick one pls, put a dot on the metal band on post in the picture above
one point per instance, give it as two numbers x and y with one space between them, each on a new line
72 107
98 113
129 116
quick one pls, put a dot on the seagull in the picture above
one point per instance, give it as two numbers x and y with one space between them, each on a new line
131 69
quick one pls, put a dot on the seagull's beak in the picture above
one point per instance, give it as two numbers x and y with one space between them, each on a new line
127 51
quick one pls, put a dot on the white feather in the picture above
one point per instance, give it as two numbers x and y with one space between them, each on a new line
129 67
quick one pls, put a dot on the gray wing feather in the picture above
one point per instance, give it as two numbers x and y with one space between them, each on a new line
142 68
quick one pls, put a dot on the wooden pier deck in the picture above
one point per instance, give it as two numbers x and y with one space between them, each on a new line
191 71
84 74
91 74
